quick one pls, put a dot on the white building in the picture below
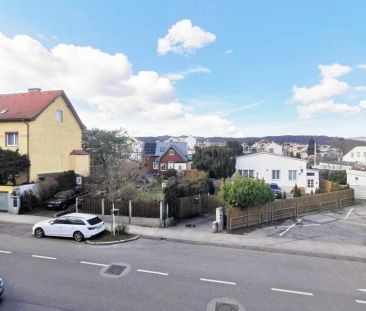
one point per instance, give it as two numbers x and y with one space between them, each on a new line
357 180
137 147
190 140
284 171
357 154
267 146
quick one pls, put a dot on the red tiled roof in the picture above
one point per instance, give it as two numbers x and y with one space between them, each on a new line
28 106
79 152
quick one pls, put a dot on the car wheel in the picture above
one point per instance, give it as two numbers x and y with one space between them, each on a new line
78 236
39 233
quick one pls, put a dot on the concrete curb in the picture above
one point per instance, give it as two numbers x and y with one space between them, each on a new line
112 242
263 249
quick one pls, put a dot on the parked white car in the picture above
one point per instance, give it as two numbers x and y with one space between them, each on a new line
75 225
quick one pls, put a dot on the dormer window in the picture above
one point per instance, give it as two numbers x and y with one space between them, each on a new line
59 116
171 152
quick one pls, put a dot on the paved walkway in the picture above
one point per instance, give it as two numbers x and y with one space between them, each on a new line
202 236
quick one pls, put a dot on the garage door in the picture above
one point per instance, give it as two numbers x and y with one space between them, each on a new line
360 192
4 201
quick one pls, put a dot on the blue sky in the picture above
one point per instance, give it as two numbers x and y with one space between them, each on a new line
238 80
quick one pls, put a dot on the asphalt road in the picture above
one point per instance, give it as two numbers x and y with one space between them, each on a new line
161 275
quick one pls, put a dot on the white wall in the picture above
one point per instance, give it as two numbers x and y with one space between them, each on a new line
264 163
277 149
357 154
357 181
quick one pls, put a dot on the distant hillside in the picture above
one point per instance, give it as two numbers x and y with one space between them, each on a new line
345 144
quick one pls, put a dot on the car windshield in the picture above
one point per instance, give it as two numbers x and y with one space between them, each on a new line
274 187
94 221
63 194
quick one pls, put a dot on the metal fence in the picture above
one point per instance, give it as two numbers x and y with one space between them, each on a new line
291 208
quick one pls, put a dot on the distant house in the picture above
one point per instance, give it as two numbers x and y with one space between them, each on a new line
190 140
267 146
282 170
163 156
45 126
356 155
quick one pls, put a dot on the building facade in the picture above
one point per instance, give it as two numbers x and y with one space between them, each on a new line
45 126
284 171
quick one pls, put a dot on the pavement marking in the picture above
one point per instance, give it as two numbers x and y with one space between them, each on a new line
362 290
93 263
217 281
361 301
5 252
349 213
152 272
291 291
44 257
290 227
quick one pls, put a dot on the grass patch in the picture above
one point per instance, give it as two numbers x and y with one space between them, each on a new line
154 194
107 236
43 212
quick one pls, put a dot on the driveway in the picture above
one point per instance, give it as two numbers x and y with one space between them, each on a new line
346 226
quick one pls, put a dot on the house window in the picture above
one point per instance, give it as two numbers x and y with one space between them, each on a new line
162 149
292 174
171 165
275 174
59 116
171 152
248 173
11 139
310 183
156 165
163 166
358 154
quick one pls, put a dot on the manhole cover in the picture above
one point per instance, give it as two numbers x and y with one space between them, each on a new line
115 269
190 226
220 306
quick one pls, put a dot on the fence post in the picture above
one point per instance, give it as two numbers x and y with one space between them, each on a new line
76 205
167 210
161 213
296 211
103 209
129 211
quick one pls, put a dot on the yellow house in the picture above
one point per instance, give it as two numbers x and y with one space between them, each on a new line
45 126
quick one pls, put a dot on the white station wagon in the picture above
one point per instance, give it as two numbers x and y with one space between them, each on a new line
75 225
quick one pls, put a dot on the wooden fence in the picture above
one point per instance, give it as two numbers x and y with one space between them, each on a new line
98 205
290 208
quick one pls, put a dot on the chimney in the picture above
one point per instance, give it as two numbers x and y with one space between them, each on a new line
34 90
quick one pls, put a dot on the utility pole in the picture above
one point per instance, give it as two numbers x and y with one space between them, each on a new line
314 153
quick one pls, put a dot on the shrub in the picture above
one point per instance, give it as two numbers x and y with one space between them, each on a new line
47 189
66 180
28 202
297 192
170 173
245 193
339 177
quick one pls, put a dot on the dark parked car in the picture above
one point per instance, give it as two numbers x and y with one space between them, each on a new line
2 286
277 191
64 199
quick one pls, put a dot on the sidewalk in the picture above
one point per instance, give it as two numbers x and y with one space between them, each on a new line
202 236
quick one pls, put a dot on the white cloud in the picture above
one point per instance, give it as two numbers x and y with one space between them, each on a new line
320 97
227 52
184 38
334 70
308 111
362 66
174 76
325 89
360 88
103 88
363 104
